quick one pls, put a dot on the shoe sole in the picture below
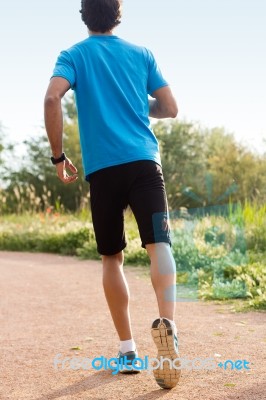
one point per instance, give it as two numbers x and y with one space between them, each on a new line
162 334
131 370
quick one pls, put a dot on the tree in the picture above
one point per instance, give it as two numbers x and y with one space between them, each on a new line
6 150
183 161
202 167
232 164
1 143
207 167
38 173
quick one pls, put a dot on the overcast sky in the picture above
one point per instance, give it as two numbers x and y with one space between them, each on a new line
212 52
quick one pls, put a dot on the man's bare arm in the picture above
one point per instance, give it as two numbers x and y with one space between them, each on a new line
53 113
53 117
164 104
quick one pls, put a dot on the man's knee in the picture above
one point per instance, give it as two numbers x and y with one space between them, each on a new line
116 258
153 249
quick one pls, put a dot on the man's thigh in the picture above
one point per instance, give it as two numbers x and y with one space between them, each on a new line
148 202
107 208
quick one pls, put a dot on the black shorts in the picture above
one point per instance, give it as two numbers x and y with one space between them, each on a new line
138 184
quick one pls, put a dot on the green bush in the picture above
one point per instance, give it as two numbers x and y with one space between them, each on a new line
62 234
221 270
190 257
255 226
88 251
62 243
212 258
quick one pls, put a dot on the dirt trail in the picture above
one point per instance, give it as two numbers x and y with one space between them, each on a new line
50 304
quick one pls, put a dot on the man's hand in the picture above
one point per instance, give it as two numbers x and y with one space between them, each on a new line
63 175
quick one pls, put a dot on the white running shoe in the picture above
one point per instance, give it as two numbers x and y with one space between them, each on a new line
164 334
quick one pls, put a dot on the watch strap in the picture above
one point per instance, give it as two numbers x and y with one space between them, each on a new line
58 160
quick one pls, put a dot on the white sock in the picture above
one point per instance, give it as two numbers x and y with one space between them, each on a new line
127 345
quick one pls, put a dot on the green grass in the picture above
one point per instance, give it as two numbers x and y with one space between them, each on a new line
217 258
62 234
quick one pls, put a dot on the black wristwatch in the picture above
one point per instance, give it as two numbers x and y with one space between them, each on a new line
58 160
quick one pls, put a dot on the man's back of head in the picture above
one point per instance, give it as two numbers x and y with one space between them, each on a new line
101 15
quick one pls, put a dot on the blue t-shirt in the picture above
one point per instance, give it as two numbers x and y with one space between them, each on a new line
111 79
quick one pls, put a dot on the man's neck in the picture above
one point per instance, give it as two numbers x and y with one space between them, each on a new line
93 33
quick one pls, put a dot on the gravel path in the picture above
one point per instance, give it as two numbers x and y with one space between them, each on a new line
51 304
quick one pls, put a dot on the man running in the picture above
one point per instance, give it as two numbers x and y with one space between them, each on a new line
112 79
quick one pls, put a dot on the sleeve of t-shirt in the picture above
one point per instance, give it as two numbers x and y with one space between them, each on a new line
155 78
64 68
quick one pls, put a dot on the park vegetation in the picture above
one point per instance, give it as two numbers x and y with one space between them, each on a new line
217 205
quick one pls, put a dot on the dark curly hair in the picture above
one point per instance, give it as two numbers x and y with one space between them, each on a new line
101 15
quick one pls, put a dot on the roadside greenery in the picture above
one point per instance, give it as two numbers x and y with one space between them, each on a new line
216 257
216 189
202 167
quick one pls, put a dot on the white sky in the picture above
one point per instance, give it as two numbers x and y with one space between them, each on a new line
212 52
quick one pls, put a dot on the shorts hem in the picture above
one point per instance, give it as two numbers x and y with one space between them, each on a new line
112 252
143 245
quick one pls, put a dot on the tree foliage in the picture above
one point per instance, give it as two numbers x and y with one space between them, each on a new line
181 146
1 143
208 167
202 167
37 172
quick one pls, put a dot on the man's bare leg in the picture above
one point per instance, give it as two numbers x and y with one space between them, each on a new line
117 294
163 278
163 330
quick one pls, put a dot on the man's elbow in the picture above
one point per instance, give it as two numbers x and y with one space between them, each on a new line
51 99
173 111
